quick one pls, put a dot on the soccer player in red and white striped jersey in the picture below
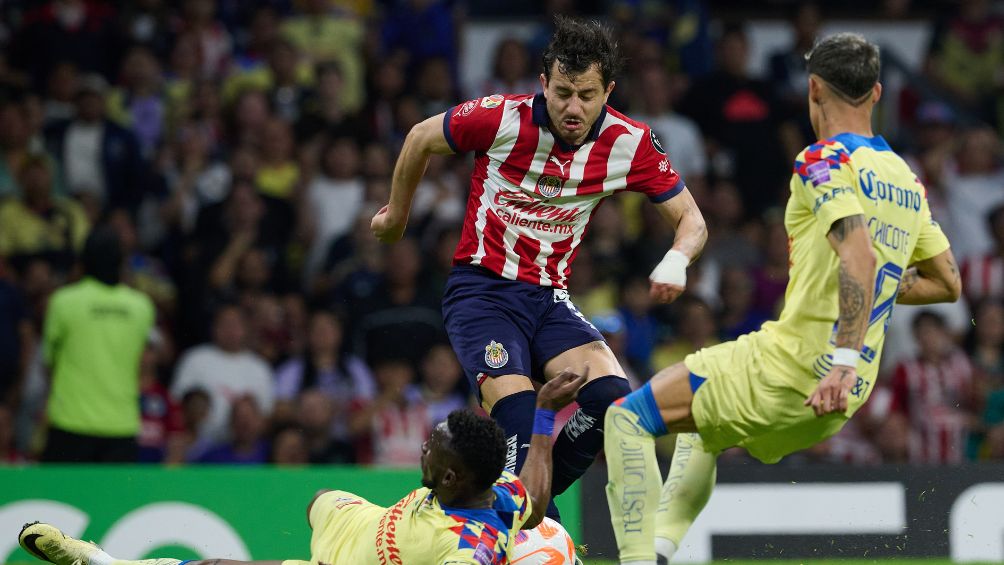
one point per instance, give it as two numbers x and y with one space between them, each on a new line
542 165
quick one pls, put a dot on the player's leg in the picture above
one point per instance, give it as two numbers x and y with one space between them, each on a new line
565 339
48 543
634 486
686 491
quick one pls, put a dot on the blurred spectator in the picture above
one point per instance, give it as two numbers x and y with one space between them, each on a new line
196 179
678 135
147 23
748 132
289 447
399 316
317 416
442 377
247 444
967 53
225 369
334 197
388 84
139 103
787 67
397 420
434 86
739 313
420 30
933 396
214 44
95 332
262 31
440 196
642 329
9 455
101 160
695 330
195 405
61 88
976 185
324 34
611 326
17 143
160 415
16 339
83 32
325 367
278 172
512 72
770 279
40 224
146 273
985 345
983 275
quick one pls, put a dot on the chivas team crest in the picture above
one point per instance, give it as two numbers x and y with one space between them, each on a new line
495 355
549 186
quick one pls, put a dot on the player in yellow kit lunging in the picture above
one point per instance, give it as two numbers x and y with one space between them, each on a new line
467 512
861 238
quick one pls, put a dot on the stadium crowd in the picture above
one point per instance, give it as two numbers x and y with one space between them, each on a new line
239 150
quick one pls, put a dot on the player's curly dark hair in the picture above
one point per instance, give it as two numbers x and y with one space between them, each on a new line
480 443
848 62
578 44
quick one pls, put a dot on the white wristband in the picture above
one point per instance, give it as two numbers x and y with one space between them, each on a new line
672 269
846 356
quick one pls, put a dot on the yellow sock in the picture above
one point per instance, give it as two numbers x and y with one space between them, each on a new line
633 487
687 489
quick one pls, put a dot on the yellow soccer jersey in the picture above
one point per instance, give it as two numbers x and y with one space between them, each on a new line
419 530
842 176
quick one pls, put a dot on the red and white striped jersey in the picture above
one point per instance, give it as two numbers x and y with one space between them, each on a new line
532 195
983 277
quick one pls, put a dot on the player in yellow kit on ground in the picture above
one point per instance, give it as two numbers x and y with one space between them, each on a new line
466 513
861 238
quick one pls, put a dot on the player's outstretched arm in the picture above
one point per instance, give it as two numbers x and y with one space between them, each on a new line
932 280
849 238
424 140
669 278
536 473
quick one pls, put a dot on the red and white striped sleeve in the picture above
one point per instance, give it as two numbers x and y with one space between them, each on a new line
651 172
472 126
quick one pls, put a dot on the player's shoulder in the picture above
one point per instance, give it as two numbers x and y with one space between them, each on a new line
634 127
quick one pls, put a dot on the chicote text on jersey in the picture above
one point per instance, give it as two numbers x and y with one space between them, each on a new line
836 178
532 194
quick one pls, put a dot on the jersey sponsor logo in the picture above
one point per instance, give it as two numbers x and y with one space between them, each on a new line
527 204
878 190
466 109
495 355
493 101
386 536
818 172
561 165
655 142
830 195
549 186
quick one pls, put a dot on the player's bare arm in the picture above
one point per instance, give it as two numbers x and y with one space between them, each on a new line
669 279
850 240
536 473
424 140
932 280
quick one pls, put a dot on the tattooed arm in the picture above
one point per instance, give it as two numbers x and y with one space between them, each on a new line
853 246
932 280
850 240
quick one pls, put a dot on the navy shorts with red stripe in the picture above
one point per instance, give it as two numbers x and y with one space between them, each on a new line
504 327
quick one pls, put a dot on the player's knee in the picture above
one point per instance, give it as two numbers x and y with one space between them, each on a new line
597 395
310 506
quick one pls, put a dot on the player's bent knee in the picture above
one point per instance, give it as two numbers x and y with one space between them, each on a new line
595 396
310 506
495 389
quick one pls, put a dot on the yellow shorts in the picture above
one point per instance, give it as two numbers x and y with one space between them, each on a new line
343 525
753 397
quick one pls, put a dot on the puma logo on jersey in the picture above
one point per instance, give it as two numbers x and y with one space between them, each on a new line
560 164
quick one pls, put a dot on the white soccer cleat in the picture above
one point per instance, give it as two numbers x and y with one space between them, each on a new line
47 543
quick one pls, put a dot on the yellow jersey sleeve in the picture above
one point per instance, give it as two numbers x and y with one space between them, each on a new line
827 185
931 241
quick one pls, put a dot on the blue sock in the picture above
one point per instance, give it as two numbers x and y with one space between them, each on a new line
582 436
642 402
515 414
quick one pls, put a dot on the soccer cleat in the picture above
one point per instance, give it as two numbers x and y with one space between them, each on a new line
47 543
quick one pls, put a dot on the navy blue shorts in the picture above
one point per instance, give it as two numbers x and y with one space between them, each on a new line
503 327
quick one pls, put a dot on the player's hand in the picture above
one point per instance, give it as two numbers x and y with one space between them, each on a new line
386 227
669 278
833 390
561 390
